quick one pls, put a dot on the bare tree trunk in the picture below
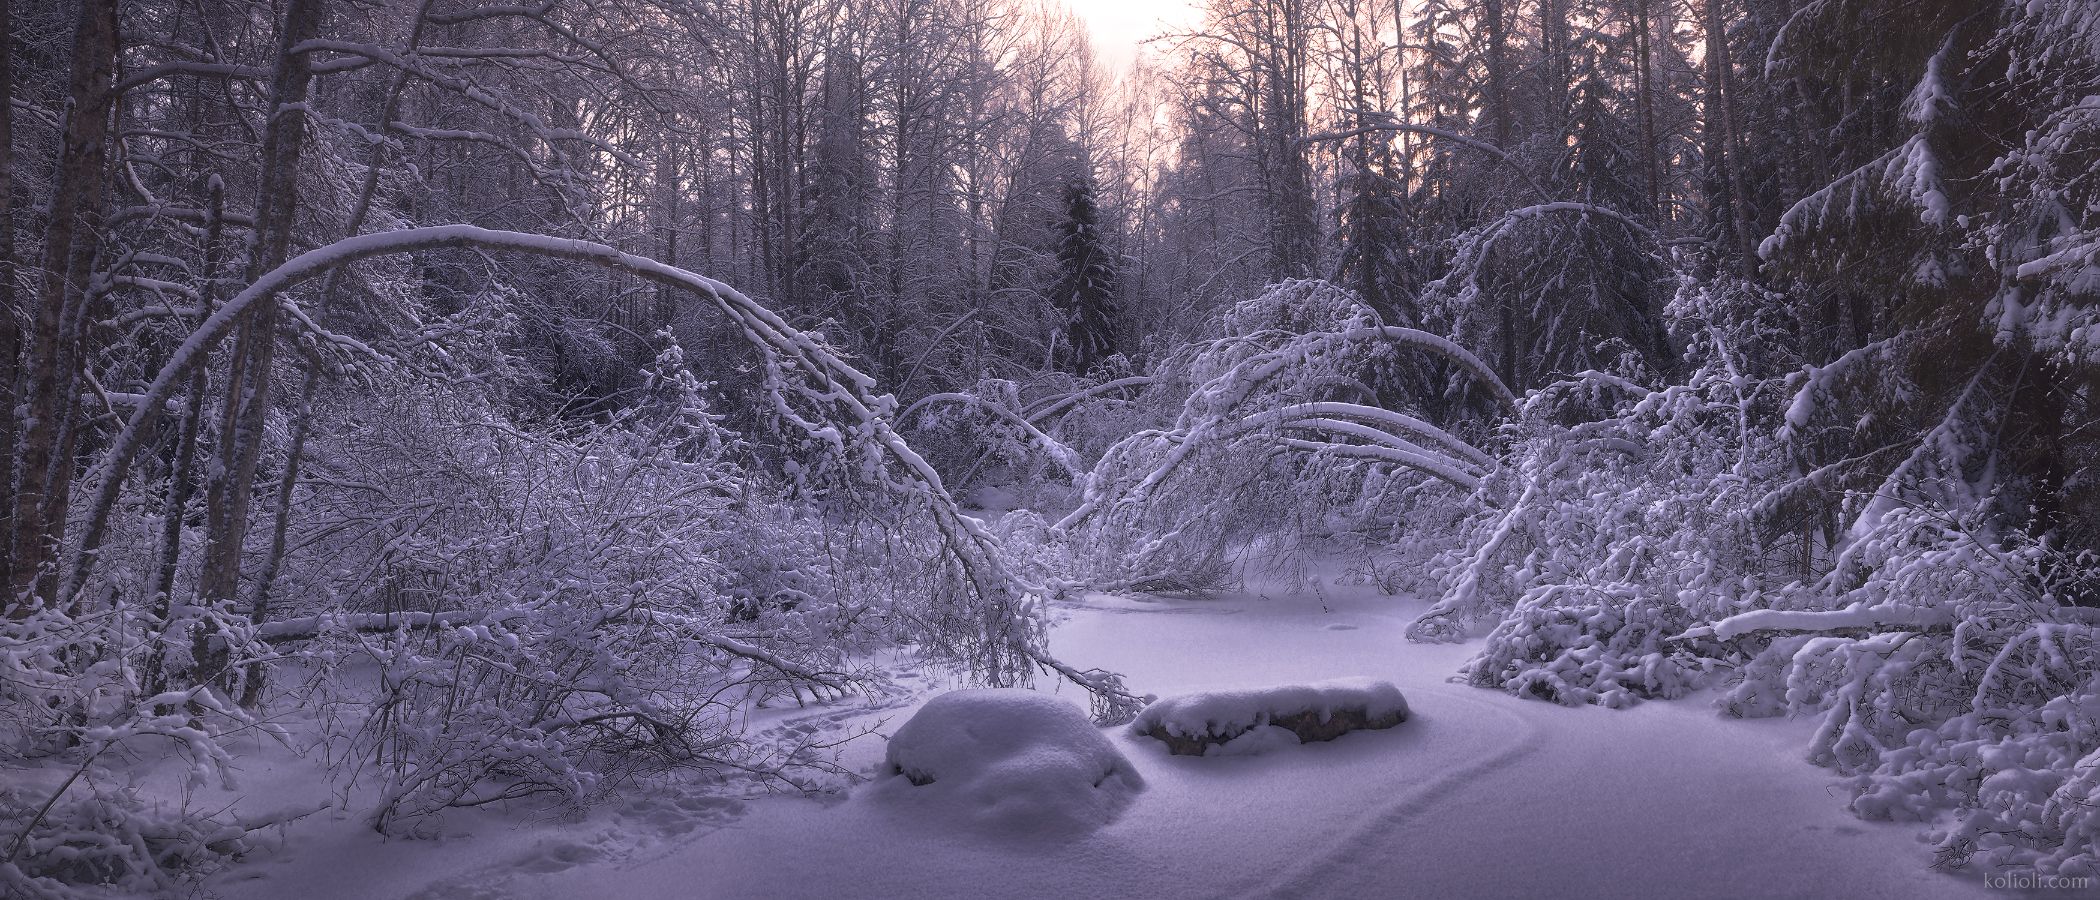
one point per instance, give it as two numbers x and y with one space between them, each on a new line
1496 32
273 561
248 386
667 190
1501 122
1644 99
1734 215
182 467
10 309
70 241
302 417
1294 216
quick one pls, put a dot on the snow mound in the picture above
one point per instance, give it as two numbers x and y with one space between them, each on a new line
1230 723
1010 760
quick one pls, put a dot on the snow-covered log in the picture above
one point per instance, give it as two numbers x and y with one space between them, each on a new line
1856 617
1230 722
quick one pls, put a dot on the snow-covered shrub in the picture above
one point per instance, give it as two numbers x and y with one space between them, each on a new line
1009 761
805 578
1601 536
74 702
1622 518
83 824
1631 554
107 841
536 610
1951 678
1617 513
1606 644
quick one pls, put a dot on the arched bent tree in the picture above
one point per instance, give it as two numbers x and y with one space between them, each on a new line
1174 508
808 386
1215 412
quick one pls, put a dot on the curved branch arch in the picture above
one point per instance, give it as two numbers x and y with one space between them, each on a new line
1009 643
1416 459
1058 405
1400 421
1205 417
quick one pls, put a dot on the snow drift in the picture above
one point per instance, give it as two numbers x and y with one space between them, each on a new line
1010 761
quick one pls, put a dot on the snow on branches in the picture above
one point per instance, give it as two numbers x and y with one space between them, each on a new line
1170 500
831 405
543 609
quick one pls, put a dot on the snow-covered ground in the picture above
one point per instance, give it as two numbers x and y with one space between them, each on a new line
1478 794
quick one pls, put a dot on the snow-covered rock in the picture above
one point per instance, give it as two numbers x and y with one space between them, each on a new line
1228 723
1009 760
1257 740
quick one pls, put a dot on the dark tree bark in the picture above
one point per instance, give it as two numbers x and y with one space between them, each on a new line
10 305
71 239
231 492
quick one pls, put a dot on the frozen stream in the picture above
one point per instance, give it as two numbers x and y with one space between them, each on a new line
1481 794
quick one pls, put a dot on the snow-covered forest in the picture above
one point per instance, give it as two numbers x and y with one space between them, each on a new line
608 447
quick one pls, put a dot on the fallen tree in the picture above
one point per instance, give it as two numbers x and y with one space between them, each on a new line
1284 392
833 406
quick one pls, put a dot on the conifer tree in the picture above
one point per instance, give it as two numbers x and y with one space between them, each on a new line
1086 288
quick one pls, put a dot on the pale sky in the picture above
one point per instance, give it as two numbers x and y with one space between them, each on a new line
1117 26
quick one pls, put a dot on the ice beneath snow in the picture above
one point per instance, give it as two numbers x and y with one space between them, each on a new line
1236 714
1008 761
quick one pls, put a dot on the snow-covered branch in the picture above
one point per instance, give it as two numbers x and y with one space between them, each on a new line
828 381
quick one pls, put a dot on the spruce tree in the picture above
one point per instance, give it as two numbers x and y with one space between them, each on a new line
1085 296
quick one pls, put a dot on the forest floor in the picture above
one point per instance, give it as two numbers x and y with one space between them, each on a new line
1479 794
